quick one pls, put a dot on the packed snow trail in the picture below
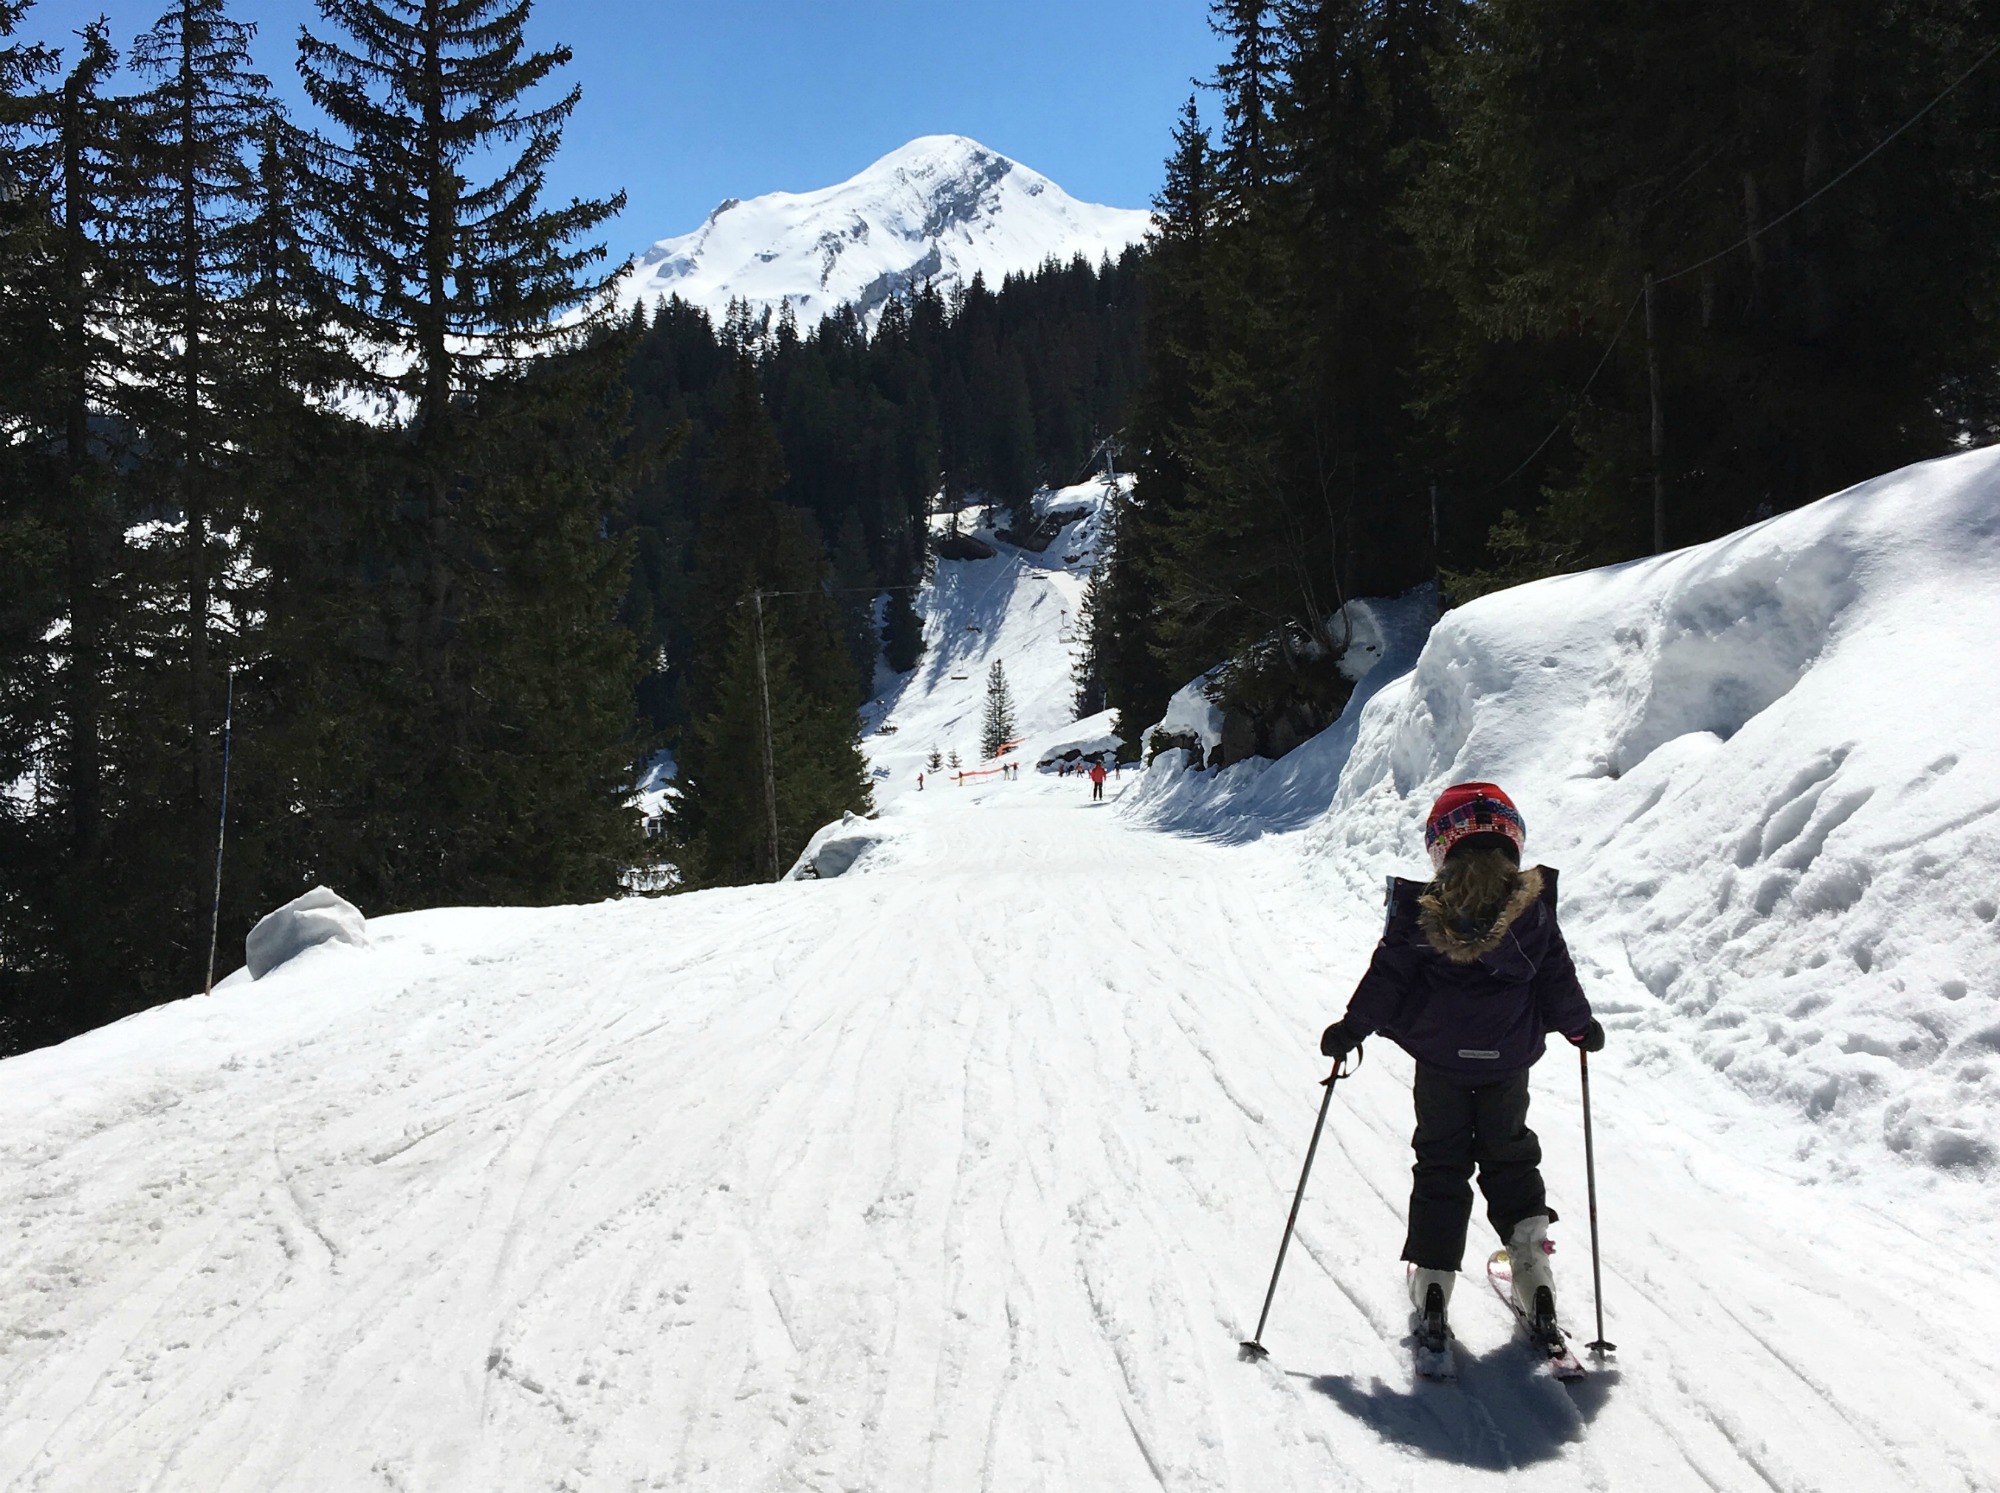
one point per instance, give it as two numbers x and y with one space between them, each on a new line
963 1174
962 1171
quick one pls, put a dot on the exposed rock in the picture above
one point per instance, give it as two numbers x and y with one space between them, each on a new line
1045 530
1170 741
962 547
1276 726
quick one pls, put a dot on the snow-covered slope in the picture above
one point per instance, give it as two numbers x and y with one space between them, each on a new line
942 209
965 1170
1769 768
1020 609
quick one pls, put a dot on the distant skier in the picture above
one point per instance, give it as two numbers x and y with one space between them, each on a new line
1097 776
1471 974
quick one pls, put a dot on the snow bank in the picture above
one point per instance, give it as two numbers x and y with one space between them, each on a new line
1770 770
837 848
318 917
1376 627
1190 713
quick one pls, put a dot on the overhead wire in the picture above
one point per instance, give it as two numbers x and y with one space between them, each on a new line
1748 239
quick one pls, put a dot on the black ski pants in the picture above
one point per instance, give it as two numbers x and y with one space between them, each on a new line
1464 1123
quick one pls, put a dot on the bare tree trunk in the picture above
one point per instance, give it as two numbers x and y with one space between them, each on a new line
85 769
194 494
434 415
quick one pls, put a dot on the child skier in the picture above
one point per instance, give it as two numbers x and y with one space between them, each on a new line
1470 975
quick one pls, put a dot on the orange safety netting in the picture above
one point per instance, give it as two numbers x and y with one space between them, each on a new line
983 772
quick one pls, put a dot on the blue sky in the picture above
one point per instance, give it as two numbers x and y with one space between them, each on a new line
686 103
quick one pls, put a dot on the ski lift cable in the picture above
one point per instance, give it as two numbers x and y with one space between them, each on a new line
1743 243
1883 144
831 591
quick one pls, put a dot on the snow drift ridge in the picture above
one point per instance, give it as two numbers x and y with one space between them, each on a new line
1768 766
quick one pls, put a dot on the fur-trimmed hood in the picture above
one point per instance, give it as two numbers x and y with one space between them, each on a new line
1463 943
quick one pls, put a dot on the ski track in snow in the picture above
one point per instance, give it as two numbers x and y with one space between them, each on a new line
963 1171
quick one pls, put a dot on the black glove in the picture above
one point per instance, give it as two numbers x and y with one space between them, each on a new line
1338 1040
1591 1038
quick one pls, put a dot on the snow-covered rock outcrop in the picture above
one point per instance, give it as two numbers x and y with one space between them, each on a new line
1093 736
1769 769
838 847
941 209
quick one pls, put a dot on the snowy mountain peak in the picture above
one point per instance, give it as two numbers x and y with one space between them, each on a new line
941 209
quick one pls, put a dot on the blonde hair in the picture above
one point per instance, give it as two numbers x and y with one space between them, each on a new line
1473 886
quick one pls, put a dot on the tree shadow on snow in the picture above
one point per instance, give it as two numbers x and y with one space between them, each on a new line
1500 1415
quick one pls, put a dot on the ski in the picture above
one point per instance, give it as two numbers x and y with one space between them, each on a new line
1430 1343
1434 1364
1561 1362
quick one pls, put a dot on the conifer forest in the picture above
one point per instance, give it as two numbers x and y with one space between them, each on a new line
332 474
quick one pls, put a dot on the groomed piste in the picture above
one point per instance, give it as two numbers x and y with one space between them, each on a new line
964 1169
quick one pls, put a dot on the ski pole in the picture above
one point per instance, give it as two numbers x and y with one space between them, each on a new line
1600 1347
1253 1350
221 832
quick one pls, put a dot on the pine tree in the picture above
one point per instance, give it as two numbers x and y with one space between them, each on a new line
68 446
1357 118
761 575
1274 475
902 633
468 284
1592 144
854 588
311 715
31 540
1095 622
1127 638
88 369
996 726
1248 83
191 197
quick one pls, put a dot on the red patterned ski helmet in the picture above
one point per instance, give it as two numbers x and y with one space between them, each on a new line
1467 809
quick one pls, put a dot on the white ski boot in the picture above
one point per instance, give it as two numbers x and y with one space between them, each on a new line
1430 1294
1421 1282
1528 1251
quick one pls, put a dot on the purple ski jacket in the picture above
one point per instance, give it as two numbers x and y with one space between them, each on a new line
1474 1005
